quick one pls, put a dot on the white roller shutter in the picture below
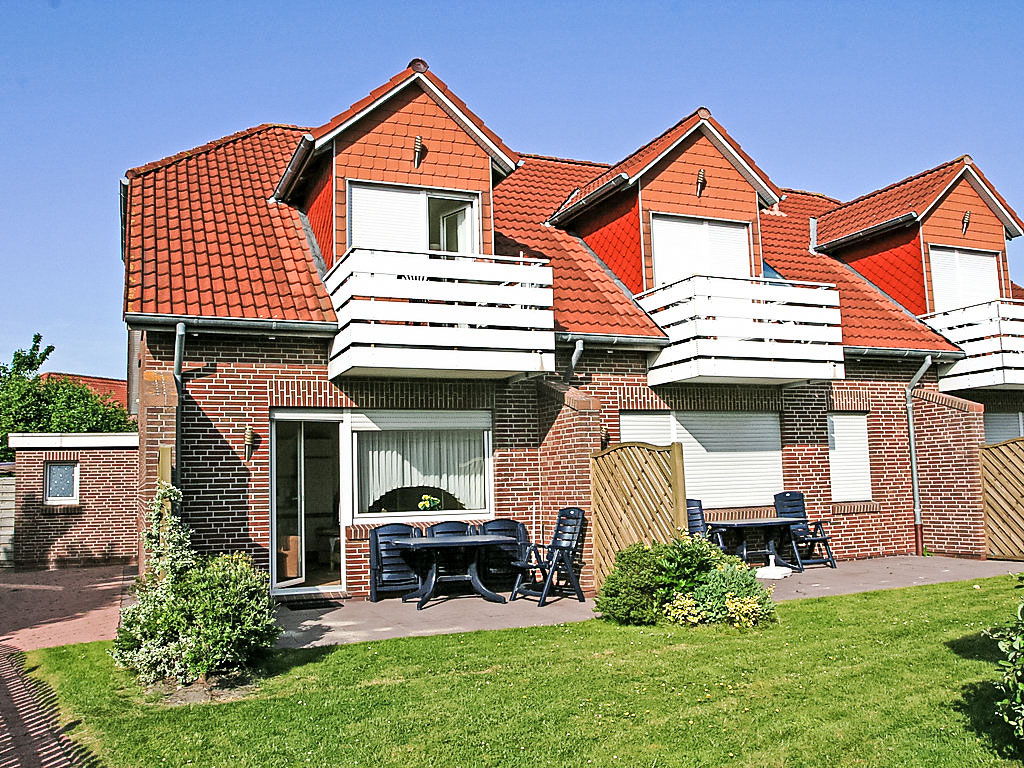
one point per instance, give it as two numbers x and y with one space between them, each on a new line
731 459
849 461
683 247
655 427
963 278
1003 426
410 420
388 218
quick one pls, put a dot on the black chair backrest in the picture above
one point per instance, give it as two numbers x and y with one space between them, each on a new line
504 526
449 528
568 528
385 556
790 504
696 524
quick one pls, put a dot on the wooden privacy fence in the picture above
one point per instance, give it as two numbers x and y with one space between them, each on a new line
638 496
1002 473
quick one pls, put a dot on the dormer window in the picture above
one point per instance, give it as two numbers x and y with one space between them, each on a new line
412 220
963 278
685 246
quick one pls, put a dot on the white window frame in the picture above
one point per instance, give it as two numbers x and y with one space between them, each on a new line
470 196
706 220
404 420
60 501
678 434
957 251
846 485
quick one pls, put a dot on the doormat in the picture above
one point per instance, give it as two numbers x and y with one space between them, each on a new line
313 604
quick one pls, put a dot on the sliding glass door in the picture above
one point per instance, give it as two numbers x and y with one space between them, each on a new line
307 538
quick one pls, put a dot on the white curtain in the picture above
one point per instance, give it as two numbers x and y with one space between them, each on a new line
452 460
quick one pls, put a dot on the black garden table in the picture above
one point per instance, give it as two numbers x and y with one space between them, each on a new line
770 525
434 545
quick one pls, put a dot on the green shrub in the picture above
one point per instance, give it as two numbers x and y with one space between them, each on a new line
686 561
213 619
733 595
632 591
1011 642
194 616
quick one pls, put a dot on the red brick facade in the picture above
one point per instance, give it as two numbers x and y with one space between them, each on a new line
100 528
544 433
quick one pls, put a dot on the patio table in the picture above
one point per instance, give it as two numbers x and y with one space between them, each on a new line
769 525
434 545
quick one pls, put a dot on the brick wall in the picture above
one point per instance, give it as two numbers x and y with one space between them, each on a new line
100 528
543 435
950 431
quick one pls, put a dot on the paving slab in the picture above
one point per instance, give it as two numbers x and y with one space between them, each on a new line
44 608
886 573
358 620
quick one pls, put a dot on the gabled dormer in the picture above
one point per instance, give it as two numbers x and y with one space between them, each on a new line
685 204
396 192
936 243
678 222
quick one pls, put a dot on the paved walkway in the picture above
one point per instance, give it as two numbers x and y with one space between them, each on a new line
357 620
887 573
39 609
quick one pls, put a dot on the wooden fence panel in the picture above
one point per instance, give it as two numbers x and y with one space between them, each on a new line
6 521
1002 472
638 496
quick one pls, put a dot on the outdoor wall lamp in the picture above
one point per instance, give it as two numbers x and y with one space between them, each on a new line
702 182
417 152
966 221
249 442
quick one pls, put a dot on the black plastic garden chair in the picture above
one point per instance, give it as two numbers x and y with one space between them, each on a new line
697 524
389 570
450 562
810 541
496 562
558 557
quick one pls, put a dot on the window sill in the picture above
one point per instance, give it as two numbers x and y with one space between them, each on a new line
855 507
62 509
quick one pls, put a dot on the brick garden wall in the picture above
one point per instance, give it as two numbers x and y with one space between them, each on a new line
100 528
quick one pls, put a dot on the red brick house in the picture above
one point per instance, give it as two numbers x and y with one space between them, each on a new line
327 323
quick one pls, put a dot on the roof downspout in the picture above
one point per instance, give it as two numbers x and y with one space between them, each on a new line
577 353
914 482
179 388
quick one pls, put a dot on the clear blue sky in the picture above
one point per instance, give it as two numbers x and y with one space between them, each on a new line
839 98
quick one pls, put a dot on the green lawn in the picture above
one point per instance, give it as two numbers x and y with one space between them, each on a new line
899 678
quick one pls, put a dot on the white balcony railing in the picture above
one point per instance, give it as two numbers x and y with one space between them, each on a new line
992 336
745 330
440 314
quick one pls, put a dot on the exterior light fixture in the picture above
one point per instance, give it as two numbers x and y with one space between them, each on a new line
966 222
417 153
249 442
702 182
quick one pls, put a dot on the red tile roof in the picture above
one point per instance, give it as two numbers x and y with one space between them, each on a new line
203 240
870 319
587 299
116 389
397 81
912 195
642 157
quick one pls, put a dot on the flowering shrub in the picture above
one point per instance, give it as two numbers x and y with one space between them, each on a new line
687 581
194 616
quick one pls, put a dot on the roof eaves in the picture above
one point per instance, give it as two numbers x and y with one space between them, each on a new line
863 234
606 189
495 147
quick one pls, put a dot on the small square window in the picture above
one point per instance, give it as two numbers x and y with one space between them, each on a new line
61 480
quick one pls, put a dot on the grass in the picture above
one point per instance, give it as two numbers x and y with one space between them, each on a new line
897 678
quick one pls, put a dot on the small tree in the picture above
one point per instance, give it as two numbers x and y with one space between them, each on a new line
30 404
